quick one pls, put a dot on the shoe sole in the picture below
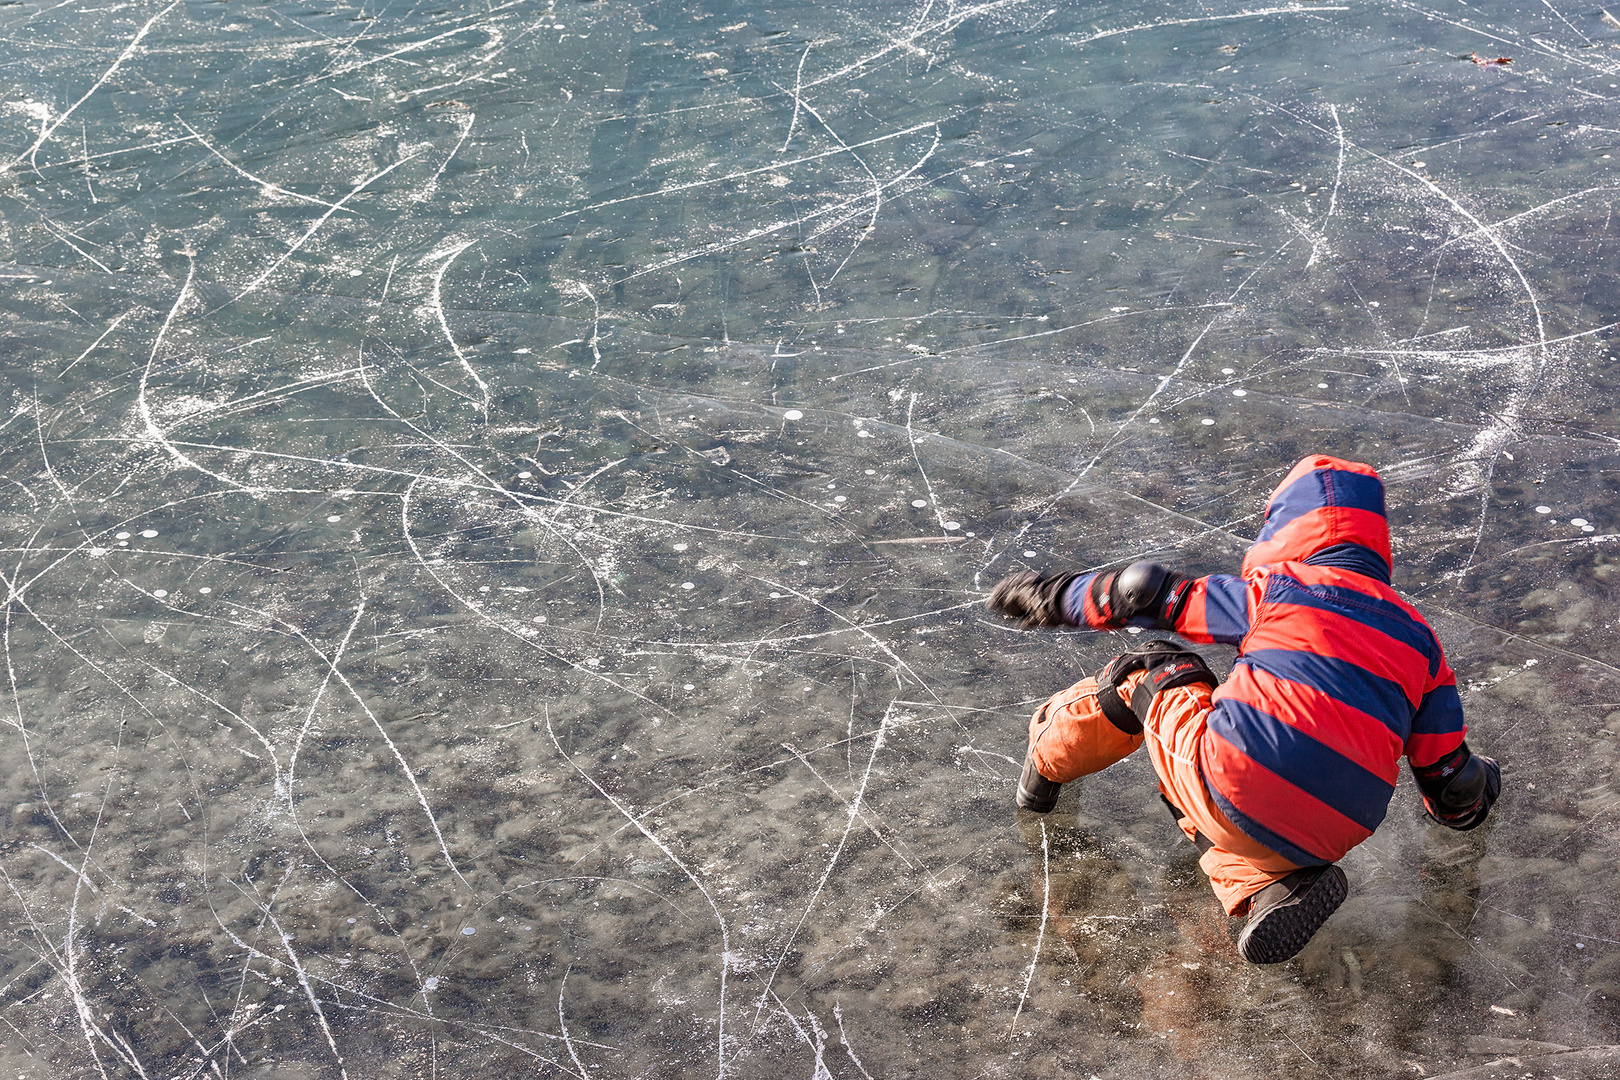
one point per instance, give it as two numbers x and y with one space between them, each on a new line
1282 931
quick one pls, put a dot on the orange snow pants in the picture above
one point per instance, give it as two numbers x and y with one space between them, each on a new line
1070 738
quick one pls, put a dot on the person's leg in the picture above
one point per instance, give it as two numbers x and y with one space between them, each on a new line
1286 903
1238 867
1233 878
1069 737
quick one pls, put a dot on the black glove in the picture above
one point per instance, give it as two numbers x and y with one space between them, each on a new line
1036 599
1168 665
1142 588
1458 790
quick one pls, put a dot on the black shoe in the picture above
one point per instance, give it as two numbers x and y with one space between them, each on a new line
1284 914
1036 792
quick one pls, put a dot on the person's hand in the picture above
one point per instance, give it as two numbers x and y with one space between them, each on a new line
1459 789
1034 599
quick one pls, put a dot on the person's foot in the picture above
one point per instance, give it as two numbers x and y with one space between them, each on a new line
1284 915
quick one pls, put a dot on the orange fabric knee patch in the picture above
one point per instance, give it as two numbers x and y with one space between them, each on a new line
1072 738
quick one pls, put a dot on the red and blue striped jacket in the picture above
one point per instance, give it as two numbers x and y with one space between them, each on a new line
1336 677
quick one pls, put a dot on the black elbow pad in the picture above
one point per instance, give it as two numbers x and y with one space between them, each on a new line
1137 586
1148 589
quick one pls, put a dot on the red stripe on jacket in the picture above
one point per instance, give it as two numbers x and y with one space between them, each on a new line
1300 818
1343 728
1320 529
1343 638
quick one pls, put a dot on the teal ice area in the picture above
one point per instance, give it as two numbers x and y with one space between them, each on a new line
498 502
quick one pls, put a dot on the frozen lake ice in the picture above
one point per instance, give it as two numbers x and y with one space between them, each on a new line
498 504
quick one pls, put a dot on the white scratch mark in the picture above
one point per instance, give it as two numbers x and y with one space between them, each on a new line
725 931
798 81
113 326
47 130
1046 904
313 229
449 256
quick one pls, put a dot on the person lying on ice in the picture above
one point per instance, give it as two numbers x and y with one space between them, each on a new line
1279 772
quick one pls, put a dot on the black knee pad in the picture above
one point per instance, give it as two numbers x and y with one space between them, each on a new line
1168 665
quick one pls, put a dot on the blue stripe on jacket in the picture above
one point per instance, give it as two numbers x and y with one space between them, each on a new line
1226 608
1370 611
1357 558
1319 488
1314 768
1378 697
1440 713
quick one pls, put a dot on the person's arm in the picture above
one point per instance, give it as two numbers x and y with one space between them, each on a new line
1438 727
1145 594
1458 785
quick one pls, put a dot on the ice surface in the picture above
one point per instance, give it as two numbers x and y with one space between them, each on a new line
498 503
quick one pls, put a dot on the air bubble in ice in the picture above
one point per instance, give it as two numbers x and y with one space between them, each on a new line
205 590
121 536
1543 509
840 498
149 533
688 585
863 434
919 503
1030 554
524 475
793 414
682 547
1240 393
333 518
688 686
160 593
432 983
1207 422
1577 521
952 526
1228 371
468 931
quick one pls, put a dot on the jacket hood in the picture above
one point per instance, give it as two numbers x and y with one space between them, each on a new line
1325 503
